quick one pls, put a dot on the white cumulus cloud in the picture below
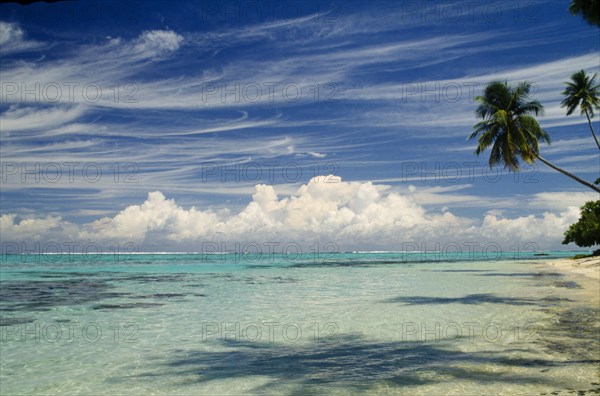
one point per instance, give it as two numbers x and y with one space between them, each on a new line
353 215
36 229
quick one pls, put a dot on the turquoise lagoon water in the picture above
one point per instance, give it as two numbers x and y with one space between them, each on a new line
347 323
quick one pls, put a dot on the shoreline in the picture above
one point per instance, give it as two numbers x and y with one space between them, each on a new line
589 267
584 271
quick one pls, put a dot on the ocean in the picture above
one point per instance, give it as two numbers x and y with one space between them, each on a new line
407 323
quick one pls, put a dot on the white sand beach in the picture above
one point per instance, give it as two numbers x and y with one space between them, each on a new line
589 266
584 271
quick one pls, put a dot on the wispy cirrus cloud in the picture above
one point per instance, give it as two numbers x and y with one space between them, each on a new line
362 89
29 118
13 39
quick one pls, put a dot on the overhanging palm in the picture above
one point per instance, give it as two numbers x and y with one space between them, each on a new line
510 128
589 10
582 92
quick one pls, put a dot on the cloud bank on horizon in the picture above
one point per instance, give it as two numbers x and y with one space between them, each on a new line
149 105
352 215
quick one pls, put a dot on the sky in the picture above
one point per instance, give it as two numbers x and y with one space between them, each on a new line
178 125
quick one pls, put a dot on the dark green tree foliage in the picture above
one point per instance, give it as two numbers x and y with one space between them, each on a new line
586 232
589 10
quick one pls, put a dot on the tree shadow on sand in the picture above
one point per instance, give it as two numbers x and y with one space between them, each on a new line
471 299
350 362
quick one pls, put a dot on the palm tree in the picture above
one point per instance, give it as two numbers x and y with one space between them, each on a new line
509 126
581 92
589 9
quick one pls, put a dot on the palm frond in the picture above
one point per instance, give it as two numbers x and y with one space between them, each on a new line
508 125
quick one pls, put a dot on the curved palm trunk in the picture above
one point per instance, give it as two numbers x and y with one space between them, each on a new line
592 129
572 176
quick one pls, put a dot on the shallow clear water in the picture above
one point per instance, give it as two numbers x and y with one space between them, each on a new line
386 323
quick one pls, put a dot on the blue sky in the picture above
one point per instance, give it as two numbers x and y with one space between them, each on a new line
201 101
